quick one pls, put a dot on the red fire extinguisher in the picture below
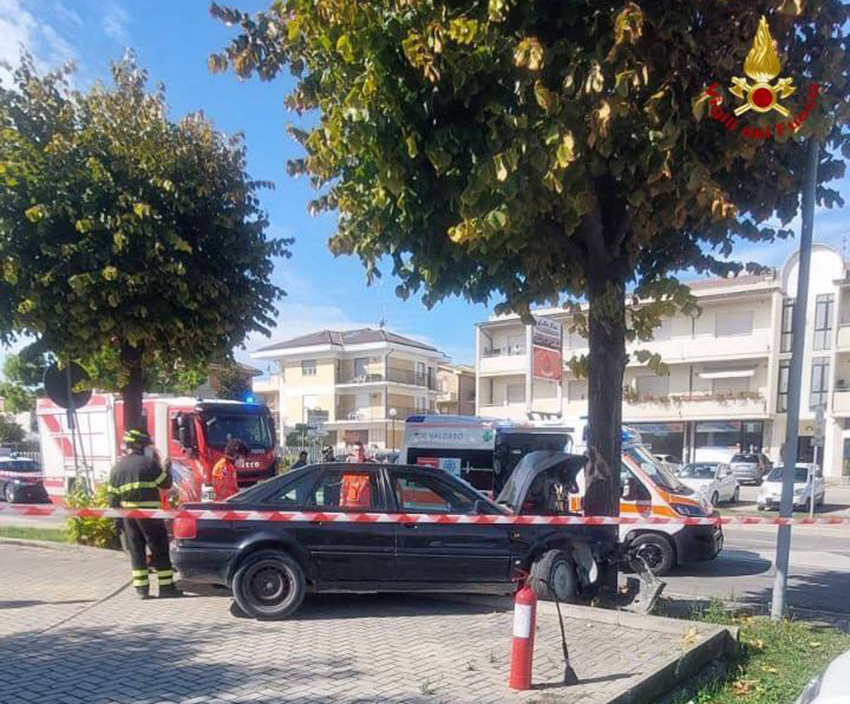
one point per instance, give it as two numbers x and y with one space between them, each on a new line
525 621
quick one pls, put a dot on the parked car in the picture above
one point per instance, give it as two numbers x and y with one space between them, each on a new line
714 480
808 480
21 481
832 687
270 565
714 454
750 467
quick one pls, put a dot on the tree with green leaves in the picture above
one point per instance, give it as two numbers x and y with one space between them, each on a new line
23 373
549 152
11 432
126 234
232 381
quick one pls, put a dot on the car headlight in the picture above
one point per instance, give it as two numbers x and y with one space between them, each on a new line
688 510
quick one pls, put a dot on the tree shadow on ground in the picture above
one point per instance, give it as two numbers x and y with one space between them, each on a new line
26 603
825 591
745 563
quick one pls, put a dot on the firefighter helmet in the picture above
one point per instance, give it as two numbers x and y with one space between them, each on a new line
136 439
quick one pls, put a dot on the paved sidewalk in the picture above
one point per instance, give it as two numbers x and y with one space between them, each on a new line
67 637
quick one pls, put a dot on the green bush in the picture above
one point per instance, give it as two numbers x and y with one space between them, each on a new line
96 532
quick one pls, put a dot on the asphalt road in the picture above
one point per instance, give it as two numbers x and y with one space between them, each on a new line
819 573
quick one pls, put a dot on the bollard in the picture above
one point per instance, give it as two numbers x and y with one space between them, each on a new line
522 654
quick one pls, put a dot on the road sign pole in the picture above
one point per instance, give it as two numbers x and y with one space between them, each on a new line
795 375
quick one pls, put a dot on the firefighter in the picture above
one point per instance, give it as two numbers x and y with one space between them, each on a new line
328 454
135 482
224 471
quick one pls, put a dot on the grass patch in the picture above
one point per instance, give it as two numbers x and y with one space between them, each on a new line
774 662
56 535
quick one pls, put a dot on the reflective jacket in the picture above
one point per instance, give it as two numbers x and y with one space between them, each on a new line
224 479
135 482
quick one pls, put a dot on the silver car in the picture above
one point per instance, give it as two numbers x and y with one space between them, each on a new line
750 467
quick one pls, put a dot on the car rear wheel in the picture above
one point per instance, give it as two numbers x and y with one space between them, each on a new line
715 499
9 493
655 552
552 575
269 585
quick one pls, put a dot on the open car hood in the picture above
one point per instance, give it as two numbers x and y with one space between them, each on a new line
537 476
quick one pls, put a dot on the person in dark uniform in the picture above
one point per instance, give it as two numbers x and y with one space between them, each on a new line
135 482
301 461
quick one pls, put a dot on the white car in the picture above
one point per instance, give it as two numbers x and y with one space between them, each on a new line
832 687
807 480
714 480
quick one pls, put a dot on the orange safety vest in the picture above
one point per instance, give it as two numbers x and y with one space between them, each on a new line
355 491
224 479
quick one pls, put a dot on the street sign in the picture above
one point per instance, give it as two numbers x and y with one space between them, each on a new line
59 385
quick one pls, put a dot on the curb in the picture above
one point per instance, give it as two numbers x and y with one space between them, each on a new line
54 545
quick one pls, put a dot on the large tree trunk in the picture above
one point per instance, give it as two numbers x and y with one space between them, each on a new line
133 390
607 360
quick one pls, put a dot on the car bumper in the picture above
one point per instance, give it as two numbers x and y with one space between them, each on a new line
747 476
204 565
698 543
31 494
770 502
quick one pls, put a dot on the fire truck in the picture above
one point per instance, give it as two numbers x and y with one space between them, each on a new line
189 435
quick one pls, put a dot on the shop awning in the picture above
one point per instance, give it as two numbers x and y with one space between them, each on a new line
727 374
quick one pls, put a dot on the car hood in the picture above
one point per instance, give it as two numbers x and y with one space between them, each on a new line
769 487
560 466
695 484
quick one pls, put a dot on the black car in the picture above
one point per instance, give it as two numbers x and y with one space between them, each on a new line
21 481
270 565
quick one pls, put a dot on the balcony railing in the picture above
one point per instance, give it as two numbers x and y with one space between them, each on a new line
398 376
376 413
506 351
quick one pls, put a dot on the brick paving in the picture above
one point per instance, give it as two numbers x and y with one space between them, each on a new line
66 637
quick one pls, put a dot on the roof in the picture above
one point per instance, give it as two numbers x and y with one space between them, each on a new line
720 282
347 337
458 368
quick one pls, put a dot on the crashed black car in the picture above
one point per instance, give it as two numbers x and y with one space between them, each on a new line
270 565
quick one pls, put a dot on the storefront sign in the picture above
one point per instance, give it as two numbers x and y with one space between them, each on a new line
546 350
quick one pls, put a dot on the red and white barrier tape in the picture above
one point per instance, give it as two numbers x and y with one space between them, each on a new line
37 510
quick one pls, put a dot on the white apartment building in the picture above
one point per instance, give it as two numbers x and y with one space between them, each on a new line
356 385
728 368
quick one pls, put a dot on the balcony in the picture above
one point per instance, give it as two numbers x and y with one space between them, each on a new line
393 376
371 414
707 406
503 360
841 402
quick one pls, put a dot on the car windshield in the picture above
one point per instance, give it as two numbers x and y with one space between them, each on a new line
801 474
659 474
254 430
749 459
19 466
698 471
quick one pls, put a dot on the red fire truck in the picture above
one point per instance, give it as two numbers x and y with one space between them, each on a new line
189 435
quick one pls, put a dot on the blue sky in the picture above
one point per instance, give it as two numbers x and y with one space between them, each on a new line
172 41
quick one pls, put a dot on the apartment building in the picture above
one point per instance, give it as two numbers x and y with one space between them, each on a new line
728 368
456 389
356 385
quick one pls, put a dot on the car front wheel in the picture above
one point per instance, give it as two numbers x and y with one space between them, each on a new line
269 585
736 495
9 493
553 575
654 552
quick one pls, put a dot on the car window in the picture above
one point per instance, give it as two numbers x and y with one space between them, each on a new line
428 494
801 474
698 471
346 490
746 458
19 466
294 494
640 492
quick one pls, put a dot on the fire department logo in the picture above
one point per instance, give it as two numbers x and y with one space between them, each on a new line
762 66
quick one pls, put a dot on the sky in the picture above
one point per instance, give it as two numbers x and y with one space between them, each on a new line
172 41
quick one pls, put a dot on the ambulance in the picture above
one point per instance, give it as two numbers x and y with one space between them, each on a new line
650 490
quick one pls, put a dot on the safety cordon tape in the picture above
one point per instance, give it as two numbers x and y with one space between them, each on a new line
37 510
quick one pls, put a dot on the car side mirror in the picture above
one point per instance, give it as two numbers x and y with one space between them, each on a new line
627 488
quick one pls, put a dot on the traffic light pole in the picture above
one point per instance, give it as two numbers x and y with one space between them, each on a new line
795 375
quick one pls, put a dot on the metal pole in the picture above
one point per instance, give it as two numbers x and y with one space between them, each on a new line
812 485
795 375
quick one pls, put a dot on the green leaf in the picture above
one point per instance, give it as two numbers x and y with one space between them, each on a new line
35 213
343 46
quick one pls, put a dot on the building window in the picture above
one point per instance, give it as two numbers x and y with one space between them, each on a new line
820 382
731 385
515 393
653 386
577 390
787 335
308 367
733 323
782 397
824 305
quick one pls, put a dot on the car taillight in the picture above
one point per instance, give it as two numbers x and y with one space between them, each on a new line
185 528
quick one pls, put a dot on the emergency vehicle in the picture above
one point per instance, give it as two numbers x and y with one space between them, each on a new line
188 434
482 451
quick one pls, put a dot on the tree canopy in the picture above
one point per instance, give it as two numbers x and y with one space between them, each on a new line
124 233
233 382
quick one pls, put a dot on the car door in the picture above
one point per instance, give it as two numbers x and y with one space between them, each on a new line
346 551
444 552
725 481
